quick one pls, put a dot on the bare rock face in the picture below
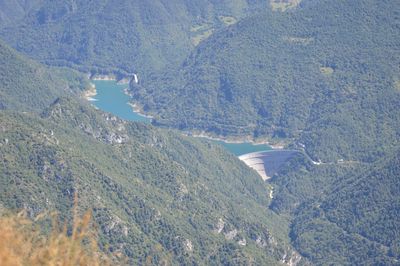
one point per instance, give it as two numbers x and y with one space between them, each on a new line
220 226
283 5
291 259
260 242
115 225
242 242
114 138
188 245
231 234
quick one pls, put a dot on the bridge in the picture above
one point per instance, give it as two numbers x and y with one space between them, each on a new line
267 163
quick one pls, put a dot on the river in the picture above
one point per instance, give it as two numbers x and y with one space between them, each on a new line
112 98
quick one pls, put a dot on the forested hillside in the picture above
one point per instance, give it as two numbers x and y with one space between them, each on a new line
357 222
322 77
153 194
28 86
118 35
325 73
156 196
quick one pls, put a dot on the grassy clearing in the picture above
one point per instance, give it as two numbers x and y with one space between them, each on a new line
326 70
200 27
283 5
196 40
298 40
397 85
227 20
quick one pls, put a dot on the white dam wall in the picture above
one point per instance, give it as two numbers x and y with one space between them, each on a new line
267 163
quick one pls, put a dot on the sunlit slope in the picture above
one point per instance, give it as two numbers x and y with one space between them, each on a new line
153 193
324 73
156 196
119 35
358 220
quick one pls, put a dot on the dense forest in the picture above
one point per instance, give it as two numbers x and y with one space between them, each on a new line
28 86
116 36
358 219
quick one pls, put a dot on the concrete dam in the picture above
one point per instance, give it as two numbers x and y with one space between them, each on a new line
267 163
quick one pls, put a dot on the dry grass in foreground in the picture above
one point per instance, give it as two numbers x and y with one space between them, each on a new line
21 243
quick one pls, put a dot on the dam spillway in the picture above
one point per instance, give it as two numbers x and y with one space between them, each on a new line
267 163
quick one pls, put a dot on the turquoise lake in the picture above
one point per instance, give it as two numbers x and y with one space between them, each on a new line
112 98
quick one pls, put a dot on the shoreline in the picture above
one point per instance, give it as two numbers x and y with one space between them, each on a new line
226 139
233 140
89 93
237 140
195 133
103 77
136 109
123 81
126 91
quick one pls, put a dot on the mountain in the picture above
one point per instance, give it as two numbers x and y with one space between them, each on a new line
156 196
322 74
359 217
153 193
28 86
321 77
118 35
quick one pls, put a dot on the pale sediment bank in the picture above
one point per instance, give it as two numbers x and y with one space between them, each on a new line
235 140
103 77
90 93
122 81
126 91
137 110
277 146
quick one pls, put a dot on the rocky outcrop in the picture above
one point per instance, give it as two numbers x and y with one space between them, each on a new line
291 259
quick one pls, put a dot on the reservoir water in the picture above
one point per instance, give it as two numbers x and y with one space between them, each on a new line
111 98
